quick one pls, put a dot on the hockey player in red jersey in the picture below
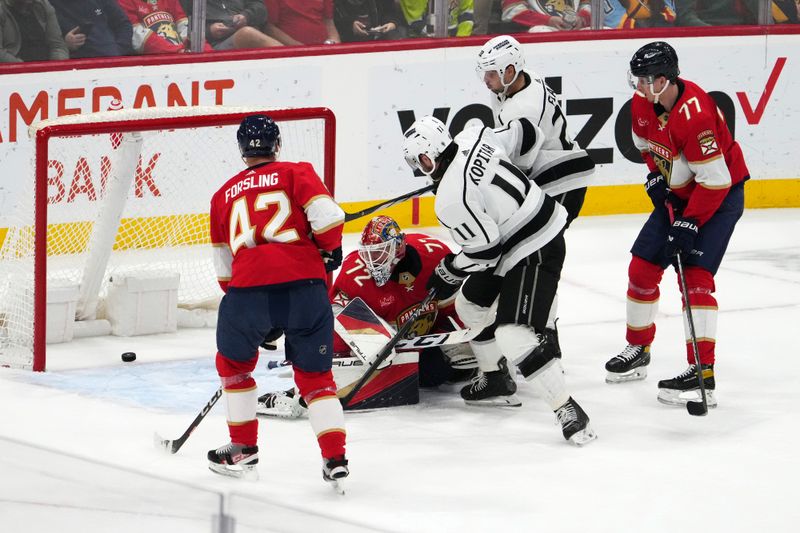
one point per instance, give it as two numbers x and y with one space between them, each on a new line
389 271
696 183
276 231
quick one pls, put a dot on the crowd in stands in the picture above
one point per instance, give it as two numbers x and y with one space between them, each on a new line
39 30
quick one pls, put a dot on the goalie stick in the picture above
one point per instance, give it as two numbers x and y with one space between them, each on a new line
172 446
387 349
388 203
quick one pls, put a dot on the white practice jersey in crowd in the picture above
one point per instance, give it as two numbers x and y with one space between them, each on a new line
493 211
561 164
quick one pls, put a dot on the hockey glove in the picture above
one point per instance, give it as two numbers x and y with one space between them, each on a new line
656 187
332 259
681 236
446 278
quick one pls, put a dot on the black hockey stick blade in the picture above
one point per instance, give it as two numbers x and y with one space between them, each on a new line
388 203
172 446
697 408
387 349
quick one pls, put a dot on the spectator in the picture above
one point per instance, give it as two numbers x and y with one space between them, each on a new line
29 32
716 12
784 11
628 14
159 26
232 24
418 14
94 28
548 16
298 22
364 20
482 14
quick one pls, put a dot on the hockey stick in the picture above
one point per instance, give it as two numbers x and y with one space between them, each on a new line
695 408
388 203
172 446
382 355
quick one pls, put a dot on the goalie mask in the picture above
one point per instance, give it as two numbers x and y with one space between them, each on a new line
258 136
651 61
381 247
497 55
427 136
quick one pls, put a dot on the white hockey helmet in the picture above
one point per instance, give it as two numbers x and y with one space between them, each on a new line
498 54
429 136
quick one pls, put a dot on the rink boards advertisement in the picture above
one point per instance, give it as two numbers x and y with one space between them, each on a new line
375 96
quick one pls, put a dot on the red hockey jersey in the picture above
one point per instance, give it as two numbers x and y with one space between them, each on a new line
262 223
396 300
692 147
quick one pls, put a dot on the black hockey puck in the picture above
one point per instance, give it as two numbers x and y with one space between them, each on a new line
128 357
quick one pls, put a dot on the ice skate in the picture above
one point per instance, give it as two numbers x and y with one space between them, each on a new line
234 460
282 404
334 471
685 387
630 365
492 388
575 423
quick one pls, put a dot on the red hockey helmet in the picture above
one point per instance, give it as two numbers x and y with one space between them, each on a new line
381 247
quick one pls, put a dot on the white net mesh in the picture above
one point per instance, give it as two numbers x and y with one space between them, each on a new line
123 203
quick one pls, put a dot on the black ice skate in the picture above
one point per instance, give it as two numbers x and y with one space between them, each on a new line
575 423
685 387
334 471
282 404
234 460
630 365
492 388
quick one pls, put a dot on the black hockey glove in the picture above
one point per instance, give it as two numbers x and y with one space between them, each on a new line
656 187
332 259
269 339
446 278
681 236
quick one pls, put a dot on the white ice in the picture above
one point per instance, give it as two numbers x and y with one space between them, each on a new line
440 465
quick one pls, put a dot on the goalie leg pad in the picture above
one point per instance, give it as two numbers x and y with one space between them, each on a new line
324 410
241 398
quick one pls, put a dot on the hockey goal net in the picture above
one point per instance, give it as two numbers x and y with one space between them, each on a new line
126 191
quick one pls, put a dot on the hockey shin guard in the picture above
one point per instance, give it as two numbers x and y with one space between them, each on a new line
241 398
700 286
642 301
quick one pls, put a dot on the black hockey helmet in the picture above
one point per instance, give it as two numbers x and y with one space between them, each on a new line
655 59
258 136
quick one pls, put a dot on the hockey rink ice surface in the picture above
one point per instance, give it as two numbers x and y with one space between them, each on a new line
76 451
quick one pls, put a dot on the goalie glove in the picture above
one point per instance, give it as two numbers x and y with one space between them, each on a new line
446 278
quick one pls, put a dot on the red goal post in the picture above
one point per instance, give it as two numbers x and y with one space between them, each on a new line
124 191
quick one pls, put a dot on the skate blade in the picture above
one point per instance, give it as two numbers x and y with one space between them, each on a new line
636 374
681 398
337 485
496 401
248 472
584 436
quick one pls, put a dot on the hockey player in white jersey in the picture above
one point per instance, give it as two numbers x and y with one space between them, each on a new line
501 220
561 169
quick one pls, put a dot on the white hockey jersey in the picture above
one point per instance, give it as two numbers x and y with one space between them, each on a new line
493 210
561 164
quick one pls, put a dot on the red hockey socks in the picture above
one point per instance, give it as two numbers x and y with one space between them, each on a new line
642 305
241 398
324 410
700 286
